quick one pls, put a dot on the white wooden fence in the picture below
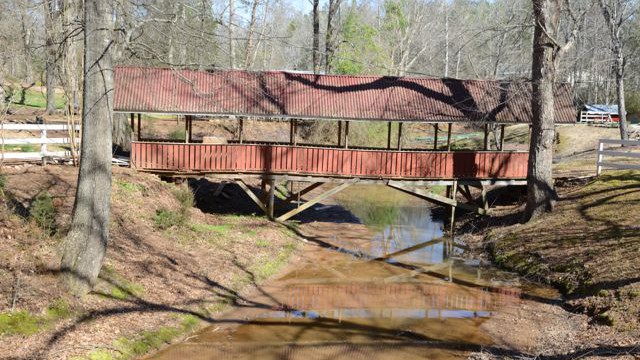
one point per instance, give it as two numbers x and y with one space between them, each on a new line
43 141
630 153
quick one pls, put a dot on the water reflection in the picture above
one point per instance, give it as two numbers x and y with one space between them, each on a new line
396 288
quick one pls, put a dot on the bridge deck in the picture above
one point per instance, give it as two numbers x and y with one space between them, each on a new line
328 162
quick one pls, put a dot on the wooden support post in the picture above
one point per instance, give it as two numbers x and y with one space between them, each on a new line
139 128
389 135
454 189
302 192
339 133
133 125
502 137
295 132
483 198
435 136
271 199
240 128
252 195
346 135
466 193
449 137
399 136
290 131
486 137
314 201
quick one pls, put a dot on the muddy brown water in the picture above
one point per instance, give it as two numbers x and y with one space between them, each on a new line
390 287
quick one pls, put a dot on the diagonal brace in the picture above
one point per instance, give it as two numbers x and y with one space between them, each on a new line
252 195
313 201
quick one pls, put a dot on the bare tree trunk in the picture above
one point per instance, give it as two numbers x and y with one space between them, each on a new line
540 193
232 34
250 34
622 108
316 37
50 16
86 243
330 36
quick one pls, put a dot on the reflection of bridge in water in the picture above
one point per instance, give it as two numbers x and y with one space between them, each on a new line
386 296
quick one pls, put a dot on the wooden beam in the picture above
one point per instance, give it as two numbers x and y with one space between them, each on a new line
339 133
291 131
271 199
219 188
435 136
346 135
252 195
502 137
133 125
139 128
486 137
400 136
435 198
449 137
240 128
389 135
302 192
466 192
452 224
313 201
295 132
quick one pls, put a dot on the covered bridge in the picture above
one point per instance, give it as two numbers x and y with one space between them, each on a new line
301 96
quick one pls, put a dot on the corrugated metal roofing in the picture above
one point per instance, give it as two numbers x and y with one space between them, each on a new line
286 94
611 109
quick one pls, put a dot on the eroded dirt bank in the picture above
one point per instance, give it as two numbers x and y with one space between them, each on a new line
169 267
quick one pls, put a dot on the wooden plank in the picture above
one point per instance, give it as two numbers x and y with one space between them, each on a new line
271 198
441 200
619 153
37 127
251 195
619 166
313 201
621 142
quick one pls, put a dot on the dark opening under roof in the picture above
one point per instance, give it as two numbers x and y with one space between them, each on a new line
280 94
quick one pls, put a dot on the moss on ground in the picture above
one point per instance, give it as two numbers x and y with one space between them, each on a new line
26 323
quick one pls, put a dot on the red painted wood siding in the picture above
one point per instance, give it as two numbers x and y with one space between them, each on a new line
294 160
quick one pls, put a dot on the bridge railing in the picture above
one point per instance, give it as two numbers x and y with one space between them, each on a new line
316 161
624 157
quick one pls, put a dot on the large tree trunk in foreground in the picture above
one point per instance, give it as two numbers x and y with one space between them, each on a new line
86 243
540 193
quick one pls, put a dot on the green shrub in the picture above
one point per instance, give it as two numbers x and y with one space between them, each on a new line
43 212
186 200
179 134
165 219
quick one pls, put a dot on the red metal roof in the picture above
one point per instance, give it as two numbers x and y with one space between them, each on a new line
287 94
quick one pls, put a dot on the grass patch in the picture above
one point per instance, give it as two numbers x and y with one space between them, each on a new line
126 348
129 187
262 243
206 228
26 323
36 99
20 148
119 287
269 266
